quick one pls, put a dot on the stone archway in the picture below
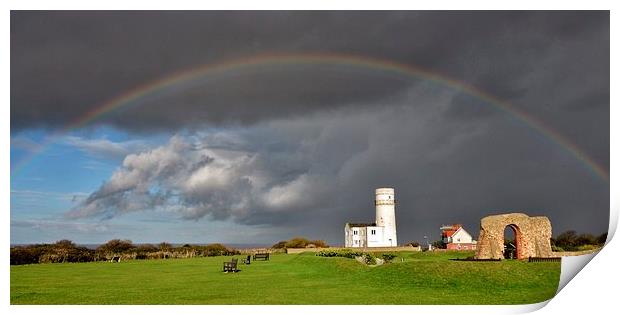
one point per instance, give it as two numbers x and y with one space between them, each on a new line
532 236
517 241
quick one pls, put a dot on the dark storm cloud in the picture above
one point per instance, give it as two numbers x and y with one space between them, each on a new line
303 145
320 171
66 63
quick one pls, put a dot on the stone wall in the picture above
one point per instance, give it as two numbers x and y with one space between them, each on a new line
532 236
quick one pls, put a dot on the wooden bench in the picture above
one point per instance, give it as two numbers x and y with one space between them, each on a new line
231 266
246 261
259 256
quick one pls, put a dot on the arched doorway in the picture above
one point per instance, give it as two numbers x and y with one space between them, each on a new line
512 236
531 235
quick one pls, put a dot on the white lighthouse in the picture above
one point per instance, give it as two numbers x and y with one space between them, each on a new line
386 214
382 233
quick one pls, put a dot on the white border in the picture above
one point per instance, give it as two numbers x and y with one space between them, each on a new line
591 290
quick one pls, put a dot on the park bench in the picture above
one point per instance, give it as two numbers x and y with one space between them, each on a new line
231 266
247 260
259 256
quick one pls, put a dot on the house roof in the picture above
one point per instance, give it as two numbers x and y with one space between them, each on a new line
449 230
361 224
449 233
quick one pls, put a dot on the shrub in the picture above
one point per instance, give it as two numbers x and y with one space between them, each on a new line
80 254
319 243
556 249
61 251
232 252
280 244
571 241
585 239
439 244
587 247
388 257
300 242
116 246
369 259
215 250
145 248
347 253
26 255
67 251
297 242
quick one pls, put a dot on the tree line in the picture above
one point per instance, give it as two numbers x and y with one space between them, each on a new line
68 251
571 241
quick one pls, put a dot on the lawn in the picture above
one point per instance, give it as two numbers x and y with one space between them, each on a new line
413 278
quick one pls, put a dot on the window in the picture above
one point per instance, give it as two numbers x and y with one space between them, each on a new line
372 232
355 233
357 241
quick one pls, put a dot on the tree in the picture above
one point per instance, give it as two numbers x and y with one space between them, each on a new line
601 239
585 239
567 240
63 248
116 246
571 241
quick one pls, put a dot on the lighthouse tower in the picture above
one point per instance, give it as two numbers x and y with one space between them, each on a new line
382 233
386 215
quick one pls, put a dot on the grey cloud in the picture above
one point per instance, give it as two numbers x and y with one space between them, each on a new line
64 64
300 172
333 133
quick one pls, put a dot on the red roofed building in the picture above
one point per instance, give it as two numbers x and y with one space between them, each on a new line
456 238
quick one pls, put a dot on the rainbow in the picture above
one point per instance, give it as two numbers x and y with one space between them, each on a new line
132 97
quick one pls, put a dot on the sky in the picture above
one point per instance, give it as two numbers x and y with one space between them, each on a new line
254 127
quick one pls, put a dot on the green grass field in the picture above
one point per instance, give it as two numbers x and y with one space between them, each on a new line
422 278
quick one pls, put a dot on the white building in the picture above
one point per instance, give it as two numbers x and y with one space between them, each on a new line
456 238
382 233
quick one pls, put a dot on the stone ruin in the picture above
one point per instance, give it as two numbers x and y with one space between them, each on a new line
532 236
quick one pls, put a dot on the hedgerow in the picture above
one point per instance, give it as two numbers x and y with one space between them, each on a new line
347 253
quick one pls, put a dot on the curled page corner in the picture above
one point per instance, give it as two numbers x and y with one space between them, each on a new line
529 308
571 265
613 223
